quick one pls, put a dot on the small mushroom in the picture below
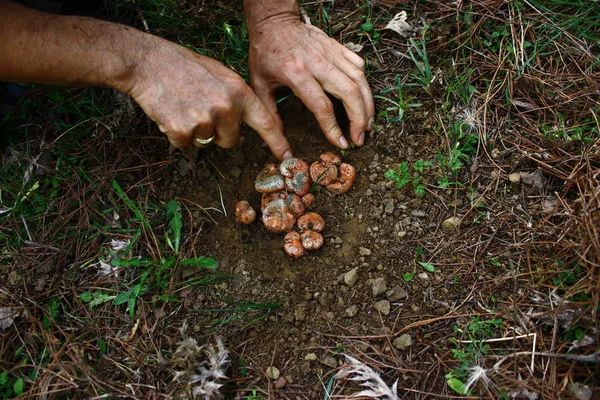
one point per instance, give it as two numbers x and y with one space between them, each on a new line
311 240
323 174
292 200
244 212
292 244
297 177
269 180
295 204
269 197
308 200
344 181
277 216
330 158
311 221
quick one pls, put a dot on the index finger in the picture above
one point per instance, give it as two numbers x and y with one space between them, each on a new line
256 115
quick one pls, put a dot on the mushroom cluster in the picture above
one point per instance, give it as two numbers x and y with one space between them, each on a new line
285 199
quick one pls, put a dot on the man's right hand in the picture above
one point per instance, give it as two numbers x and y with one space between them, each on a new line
193 97
189 96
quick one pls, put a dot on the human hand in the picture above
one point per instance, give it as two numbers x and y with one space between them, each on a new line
194 97
303 58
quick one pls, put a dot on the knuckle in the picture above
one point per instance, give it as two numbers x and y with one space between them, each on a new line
239 87
179 136
357 75
360 63
223 107
351 90
230 140
268 122
323 106
295 67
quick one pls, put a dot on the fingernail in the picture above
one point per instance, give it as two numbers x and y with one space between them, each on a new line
370 124
343 142
287 154
361 139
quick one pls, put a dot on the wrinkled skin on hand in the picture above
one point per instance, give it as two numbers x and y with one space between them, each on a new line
191 96
286 52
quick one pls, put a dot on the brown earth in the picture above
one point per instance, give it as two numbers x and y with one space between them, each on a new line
515 238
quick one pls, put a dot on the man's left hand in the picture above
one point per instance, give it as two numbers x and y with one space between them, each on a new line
303 58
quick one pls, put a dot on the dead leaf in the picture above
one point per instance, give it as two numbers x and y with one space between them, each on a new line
549 204
399 25
535 179
7 316
354 47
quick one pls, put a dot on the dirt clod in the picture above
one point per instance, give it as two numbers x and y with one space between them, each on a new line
272 372
351 277
402 342
451 224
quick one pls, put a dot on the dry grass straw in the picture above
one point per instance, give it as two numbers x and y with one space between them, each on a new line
537 86
59 353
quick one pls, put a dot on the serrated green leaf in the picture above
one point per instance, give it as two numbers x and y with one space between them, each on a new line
428 267
85 297
366 27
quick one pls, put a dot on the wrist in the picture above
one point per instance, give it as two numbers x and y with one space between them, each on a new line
129 66
267 16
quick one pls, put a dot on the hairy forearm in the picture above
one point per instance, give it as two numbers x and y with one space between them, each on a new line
262 12
37 47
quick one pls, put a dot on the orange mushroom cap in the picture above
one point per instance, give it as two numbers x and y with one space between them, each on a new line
345 180
311 240
244 212
311 221
292 244
277 216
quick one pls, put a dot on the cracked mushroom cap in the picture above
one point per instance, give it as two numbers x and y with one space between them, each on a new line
308 200
344 181
292 200
244 212
269 197
277 216
292 244
269 180
330 158
323 174
311 221
297 176
295 204
311 240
